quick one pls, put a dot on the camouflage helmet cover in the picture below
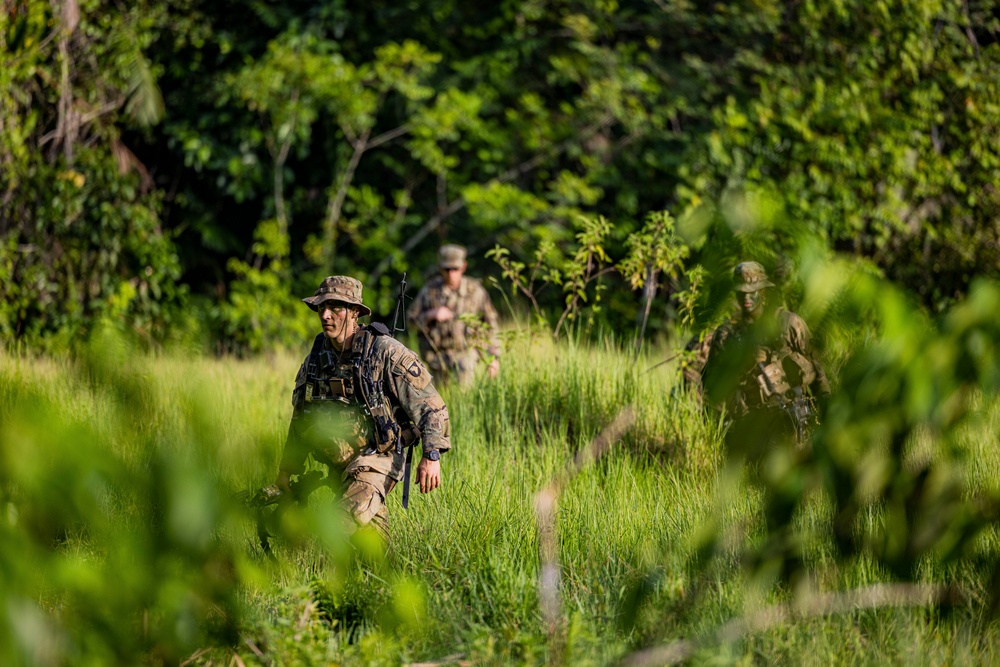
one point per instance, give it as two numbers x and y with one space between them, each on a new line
338 288
750 277
451 256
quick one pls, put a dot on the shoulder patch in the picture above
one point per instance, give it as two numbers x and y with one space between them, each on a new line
407 366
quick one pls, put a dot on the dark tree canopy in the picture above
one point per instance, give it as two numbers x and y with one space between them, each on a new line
196 165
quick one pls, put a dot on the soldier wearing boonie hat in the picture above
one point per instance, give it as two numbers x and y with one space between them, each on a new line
360 399
750 277
344 289
450 344
749 282
761 360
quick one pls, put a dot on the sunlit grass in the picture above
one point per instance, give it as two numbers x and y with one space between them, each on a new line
461 575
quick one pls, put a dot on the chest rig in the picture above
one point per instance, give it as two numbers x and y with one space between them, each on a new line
449 336
353 381
761 378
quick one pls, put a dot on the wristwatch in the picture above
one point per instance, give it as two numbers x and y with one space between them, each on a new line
433 454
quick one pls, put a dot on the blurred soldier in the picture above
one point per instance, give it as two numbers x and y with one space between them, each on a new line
760 366
360 398
455 320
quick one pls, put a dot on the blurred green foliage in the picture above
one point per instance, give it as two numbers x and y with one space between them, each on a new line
123 542
890 461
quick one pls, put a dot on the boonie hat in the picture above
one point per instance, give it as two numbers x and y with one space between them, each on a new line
338 288
750 277
451 256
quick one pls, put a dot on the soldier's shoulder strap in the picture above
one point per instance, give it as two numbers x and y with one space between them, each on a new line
317 345
378 329
369 339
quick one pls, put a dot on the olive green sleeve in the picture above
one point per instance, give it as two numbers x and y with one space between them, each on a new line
715 374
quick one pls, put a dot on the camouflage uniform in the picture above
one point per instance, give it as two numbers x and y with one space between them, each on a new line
334 417
452 348
764 367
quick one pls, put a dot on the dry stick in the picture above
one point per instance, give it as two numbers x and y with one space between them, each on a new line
194 656
253 647
546 505
665 361
649 289
825 604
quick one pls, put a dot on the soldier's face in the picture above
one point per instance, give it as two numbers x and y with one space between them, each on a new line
751 304
338 321
453 277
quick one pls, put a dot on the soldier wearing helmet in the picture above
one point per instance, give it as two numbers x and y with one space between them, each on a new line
455 320
760 366
360 398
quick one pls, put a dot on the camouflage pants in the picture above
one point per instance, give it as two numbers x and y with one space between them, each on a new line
364 499
367 482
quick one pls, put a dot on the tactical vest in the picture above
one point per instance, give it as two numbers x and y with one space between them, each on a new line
350 385
448 337
777 381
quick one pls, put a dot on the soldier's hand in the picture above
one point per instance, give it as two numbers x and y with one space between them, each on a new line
428 475
494 368
283 481
443 314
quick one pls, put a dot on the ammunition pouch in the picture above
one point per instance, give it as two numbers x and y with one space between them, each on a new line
364 388
331 389
772 382
371 392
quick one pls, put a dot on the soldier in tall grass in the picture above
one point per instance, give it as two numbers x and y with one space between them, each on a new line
762 372
360 399
455 320
761 367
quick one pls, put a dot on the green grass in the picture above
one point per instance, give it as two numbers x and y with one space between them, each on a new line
123 544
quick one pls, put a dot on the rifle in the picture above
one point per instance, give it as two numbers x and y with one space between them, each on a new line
800 410
387 430
400 308
401 313
260 500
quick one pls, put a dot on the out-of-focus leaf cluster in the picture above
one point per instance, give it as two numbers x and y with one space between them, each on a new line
123 541
890 455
